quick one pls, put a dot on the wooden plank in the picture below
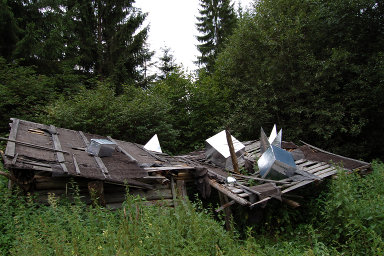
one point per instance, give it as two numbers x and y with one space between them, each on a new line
11 145
324 171
235 164
329 153
33 145
181 189
300 161
167 168
228 217
15 159
77 169
313 166
122 150
86 141
98 160
228 193
225 205
260 179
57 146
306 163
243 195
173 190
325 166
236 190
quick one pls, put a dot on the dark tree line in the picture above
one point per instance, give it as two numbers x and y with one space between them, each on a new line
314 67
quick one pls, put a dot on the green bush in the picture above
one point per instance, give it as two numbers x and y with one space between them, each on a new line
353 213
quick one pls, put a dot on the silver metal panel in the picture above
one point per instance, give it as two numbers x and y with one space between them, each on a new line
276 163
101 147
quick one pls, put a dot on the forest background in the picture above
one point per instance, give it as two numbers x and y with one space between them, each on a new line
314 67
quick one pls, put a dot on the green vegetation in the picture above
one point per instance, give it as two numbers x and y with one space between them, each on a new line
348 219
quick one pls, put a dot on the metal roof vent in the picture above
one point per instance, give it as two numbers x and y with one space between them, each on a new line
101 147
217 150
274 163
153 144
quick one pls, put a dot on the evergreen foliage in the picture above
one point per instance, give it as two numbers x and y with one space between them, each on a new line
313 67
167 63
216 22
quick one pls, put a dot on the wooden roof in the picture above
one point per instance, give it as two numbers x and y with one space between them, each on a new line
40 147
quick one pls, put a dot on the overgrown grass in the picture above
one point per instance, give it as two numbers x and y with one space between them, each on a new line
347 220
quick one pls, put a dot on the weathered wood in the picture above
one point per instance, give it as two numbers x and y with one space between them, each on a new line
173 190
322 167
236 190
15 159
98 160
332 154
291 203
122 150
57 146
235 164
167 168
11 145
260 179
33 145
96 192
228 217
228 193
77 169
181 189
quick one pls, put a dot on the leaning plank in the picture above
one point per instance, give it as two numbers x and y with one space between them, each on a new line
225 205
98 160
57 146
122 150
11 146
228 193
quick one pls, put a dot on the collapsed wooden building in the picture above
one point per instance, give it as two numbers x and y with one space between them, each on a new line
45 160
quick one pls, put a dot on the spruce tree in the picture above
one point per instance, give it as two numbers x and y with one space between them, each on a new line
111 43
167 63
216 22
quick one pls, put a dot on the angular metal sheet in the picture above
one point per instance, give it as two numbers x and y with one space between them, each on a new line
101 147
153 144
276 163
219 142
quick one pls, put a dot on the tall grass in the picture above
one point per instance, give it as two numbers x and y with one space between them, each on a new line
347 220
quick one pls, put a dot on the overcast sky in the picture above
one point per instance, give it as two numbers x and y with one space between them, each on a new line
172 24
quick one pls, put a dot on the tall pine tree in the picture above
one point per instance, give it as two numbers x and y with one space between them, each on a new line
110 42
167 63
216 22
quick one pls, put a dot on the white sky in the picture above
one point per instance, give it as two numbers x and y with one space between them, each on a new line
172 24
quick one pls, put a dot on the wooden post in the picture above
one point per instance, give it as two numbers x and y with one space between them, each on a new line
181 189
232 151
227 211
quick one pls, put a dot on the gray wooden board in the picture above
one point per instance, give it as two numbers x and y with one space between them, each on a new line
11 146
57 146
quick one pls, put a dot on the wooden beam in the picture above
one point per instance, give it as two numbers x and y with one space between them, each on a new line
11 145
77 169
98 160
227 211
225 205
122 150
228 193
57 146
33 145
235 164
329 153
